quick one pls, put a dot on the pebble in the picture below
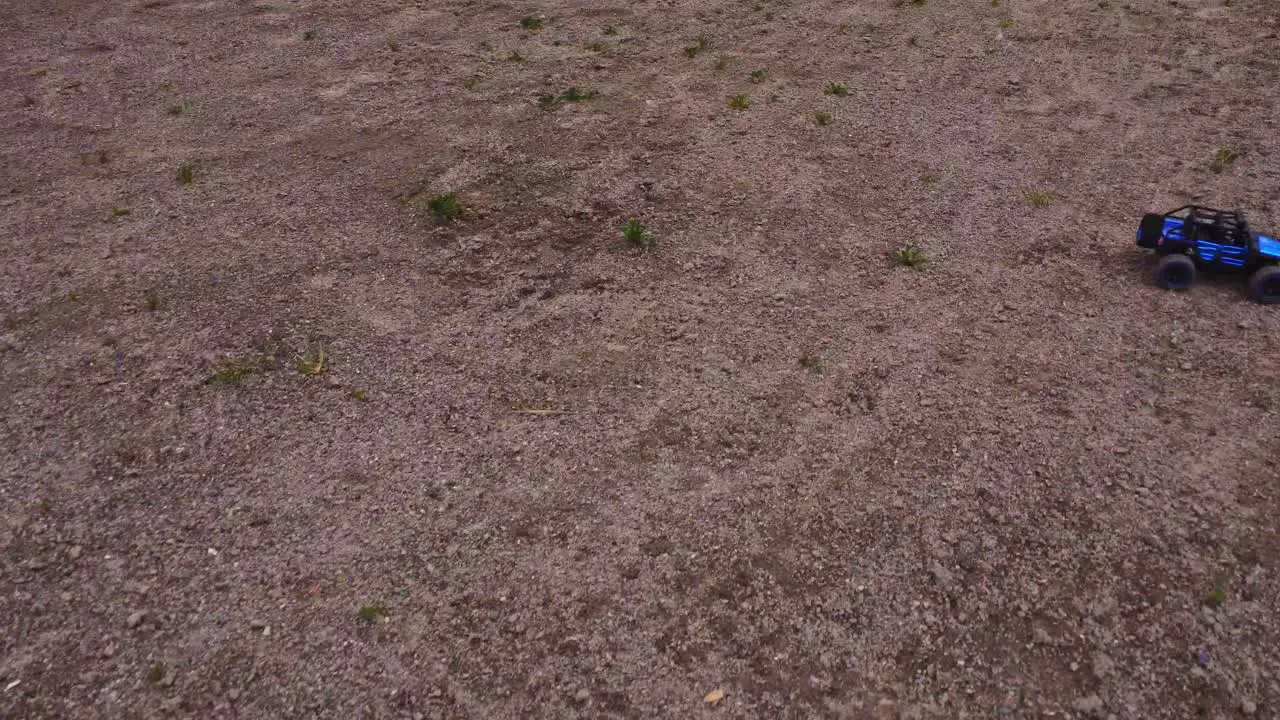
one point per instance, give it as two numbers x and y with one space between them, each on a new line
74 552
234 694
1248 707
136 619
582 695
1088 704
256 625
1102 665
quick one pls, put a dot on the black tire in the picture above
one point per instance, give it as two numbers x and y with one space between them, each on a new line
1175 272
1150 230
1264 285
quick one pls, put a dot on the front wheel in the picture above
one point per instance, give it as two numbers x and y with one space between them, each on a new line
1175 272
1264 285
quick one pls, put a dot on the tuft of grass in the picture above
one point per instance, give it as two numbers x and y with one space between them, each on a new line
120 211
813 363
701 44
310 34
237 370
913 41
837 89
444 208
822 119
155 302
758 75
1039 197
1216 597
610 29
487 45
1005 23
575 94
904 3
928 179
909 256
393 46
533 22
637 235
155 673
473 83
594 46
1222 159
741 101
186 173
314 361
360 395
179 109
516 56
370 614
549 101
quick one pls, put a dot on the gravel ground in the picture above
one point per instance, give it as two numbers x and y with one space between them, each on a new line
277 443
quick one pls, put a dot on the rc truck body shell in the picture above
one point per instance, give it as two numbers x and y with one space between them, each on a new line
1194 236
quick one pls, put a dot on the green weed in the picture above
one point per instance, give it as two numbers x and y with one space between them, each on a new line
120 211
1039 198
487 45
837 89
370 614
186 173
444 208
928 179
1005 24
813 363
473 83
235 371
701 44
741 101
360 395
909 256
1224 157
594 46
1217 596
637 235
822 119
758 75
310 34
179 109
610 29
533 22
576 95
314 361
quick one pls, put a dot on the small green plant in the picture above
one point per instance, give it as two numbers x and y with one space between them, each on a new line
155 302
393 46
813 363
594 46
928 179
721 63
533 22
473 83
237 370
637 235
741 101
1217 596
155 673
120 211
549 101
314 361
179 109
1039 197
701 44
444 208
44 506
516 56
1005 23
822 119
1104 4
370 614
186 173
575 94
310 34
758 75
837 89
1224 157
610 29
487 45
913 41
909 256
360 395
902 3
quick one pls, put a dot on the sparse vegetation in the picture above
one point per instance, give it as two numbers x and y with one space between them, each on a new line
120 211
533 22
1217 596
444 208
837 89
516 56
186 173
1005 23
156 672
610 29
235 371
575 94
813 363
1039 197
822 119
310 34
928 179
473 83
487 45
549 101
909 256
904 3
393 46
179 109
1222 159
594 46
360 395
741 101
155 302
637 235
758 75
314 361
701 44
370 614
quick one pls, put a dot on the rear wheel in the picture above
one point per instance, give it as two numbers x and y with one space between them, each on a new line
1264 285
1175 272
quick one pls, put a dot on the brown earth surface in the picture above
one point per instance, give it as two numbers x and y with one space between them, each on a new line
276 444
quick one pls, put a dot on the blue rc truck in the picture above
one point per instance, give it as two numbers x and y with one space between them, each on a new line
1194 236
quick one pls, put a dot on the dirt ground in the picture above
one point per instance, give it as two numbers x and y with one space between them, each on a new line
278 442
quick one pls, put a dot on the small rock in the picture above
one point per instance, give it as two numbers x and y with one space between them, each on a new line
941 575
1102 665
928 402
257 625
136 619
1186 366
167 680
1041 636
74 552
1090 704
1248 707
233 694
582 695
